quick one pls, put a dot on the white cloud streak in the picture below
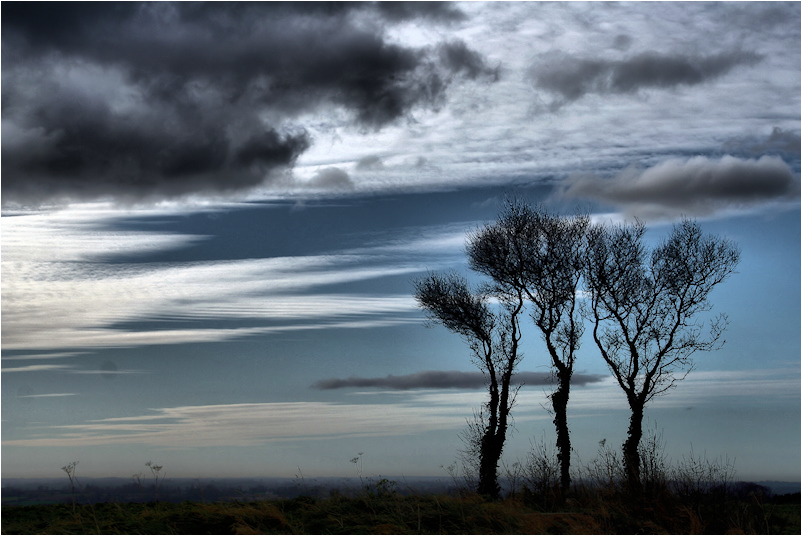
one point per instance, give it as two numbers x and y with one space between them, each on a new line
50 395
34 368
252 424
56 296
49 355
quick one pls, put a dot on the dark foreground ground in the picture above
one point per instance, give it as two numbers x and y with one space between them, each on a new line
390 513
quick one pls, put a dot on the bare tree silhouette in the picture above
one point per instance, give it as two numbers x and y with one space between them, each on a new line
643 307
493 337
539 255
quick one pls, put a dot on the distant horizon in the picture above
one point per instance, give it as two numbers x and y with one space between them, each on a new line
32 491
308 477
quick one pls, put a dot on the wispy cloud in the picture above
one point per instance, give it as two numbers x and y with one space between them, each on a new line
50 395
37 356
252 424
58 292
34 368
759 384
105 372
780 141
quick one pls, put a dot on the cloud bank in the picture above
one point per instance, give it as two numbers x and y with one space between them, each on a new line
444 379
698 186
139 100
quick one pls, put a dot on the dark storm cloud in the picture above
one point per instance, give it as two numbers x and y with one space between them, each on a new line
73 25
154 99
444 379
86 153
694 187
572 77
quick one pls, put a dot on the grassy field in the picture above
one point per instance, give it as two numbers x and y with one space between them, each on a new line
389 513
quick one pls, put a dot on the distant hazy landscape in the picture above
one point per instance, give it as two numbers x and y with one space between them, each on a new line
25 491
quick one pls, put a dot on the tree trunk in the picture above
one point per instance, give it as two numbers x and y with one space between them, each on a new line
490 452
492 446
559 401
631 454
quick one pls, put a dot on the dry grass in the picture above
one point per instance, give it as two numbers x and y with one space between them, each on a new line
600 511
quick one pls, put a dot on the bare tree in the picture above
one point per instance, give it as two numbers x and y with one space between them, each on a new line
644 305
540 254
493 337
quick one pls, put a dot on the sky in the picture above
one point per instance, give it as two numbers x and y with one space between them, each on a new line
213 216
